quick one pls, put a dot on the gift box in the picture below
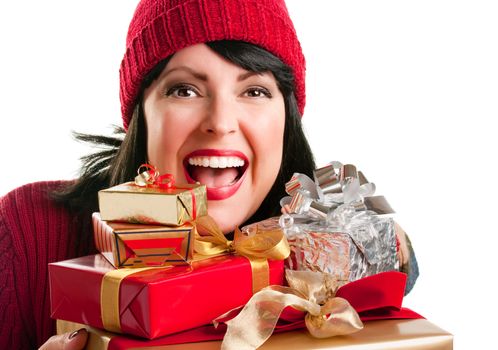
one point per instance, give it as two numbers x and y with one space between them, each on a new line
347 253
151 302
173 205
376 335
139 245
335 225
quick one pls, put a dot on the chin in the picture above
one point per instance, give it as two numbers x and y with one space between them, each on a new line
225 216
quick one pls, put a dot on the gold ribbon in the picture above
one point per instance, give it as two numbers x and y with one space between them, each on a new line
258 247
109 296
309 291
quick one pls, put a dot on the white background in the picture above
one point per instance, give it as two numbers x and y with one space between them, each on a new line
407 91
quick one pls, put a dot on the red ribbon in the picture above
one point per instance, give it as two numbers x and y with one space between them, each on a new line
152 178
375 297
166 181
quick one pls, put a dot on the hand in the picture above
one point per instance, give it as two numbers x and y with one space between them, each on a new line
403 251
67 341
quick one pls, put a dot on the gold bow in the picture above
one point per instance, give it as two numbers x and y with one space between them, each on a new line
309 291
257 247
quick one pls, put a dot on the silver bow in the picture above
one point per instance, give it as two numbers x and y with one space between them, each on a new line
334 185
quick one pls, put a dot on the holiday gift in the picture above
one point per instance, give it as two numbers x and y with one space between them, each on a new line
153 199
139 245
152 302
334 225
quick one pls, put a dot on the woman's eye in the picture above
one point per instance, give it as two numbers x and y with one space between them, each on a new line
256 92
182 91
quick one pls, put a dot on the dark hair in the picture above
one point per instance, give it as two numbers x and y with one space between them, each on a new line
121 156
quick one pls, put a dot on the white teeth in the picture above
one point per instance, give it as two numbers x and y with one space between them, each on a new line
222 163
213 162
216 162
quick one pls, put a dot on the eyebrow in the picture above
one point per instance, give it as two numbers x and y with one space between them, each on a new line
247 75
196 75
203 77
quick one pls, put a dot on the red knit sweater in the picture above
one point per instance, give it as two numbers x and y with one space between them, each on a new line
34 231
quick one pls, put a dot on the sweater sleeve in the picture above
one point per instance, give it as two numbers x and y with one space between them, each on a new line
34 231
411 268
16 331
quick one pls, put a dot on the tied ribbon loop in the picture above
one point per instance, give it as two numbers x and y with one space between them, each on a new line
333 186
330 309
150 177
268 244
258 247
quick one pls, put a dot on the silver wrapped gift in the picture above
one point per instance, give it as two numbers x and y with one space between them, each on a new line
347 253
335 225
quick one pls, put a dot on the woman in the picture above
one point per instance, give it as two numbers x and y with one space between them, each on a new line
211 91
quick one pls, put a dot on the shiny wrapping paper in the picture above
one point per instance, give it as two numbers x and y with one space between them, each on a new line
139 245
416 334
158 301
153 205
347 255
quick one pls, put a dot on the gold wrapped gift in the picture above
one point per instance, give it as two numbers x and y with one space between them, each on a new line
385 334
139 245
174 205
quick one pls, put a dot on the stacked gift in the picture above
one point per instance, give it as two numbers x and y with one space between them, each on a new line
341 242
148 222
152 202
342 269
151 302
379 335
140 245
377 297
147 281
335 225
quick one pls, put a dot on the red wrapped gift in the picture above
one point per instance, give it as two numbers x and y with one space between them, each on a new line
154 301
139 245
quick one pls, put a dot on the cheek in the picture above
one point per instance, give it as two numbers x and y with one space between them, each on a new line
270 150
267 143
165 137
159 138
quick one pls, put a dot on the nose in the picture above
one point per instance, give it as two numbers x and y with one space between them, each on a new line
221 117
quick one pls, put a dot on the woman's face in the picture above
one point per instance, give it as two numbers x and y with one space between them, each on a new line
211 121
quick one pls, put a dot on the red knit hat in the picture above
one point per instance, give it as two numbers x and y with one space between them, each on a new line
159 28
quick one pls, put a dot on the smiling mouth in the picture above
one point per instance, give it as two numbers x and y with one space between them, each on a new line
222 171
